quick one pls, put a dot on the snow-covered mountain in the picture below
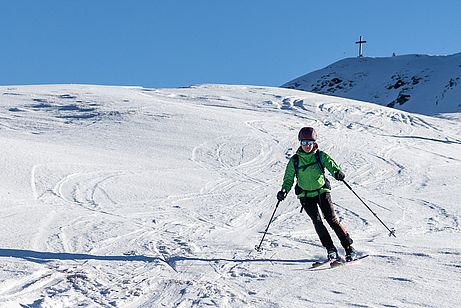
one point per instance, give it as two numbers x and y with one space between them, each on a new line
415 83
134 197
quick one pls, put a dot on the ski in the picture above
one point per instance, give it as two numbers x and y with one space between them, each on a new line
320 264
325 263
344 262
328 264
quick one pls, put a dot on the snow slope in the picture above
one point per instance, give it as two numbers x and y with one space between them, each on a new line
415 83
133 197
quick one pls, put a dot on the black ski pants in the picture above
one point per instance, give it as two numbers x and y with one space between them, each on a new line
311 206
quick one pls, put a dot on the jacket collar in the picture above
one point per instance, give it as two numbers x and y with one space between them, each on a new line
301 152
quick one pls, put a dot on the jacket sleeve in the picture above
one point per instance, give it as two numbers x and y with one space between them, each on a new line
289 177
329 163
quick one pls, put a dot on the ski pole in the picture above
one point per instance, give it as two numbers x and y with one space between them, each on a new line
391 231
258 248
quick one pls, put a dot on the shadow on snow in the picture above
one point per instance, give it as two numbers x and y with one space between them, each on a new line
43 257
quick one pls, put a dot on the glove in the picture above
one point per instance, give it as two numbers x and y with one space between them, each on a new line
340 175
281 195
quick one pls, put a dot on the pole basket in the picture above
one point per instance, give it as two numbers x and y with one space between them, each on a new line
392 233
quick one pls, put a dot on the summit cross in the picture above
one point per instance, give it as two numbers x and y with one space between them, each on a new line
360 42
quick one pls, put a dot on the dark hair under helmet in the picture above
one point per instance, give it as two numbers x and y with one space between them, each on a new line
307 133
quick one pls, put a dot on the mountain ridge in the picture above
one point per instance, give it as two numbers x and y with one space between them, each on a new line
416 83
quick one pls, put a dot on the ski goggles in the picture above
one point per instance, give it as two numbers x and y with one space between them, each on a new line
307 142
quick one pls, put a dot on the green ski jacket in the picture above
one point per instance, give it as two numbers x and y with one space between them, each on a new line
310 179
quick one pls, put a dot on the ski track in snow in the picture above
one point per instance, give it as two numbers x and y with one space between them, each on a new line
156 197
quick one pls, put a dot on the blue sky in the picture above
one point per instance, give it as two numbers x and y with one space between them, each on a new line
179 43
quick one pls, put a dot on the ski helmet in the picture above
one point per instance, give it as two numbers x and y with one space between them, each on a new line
307 133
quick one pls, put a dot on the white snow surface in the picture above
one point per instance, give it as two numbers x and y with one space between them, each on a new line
135 197
416 83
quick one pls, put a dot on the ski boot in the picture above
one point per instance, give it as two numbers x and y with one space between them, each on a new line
332 254
351 253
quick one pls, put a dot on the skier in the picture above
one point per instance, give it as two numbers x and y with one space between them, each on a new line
313 191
